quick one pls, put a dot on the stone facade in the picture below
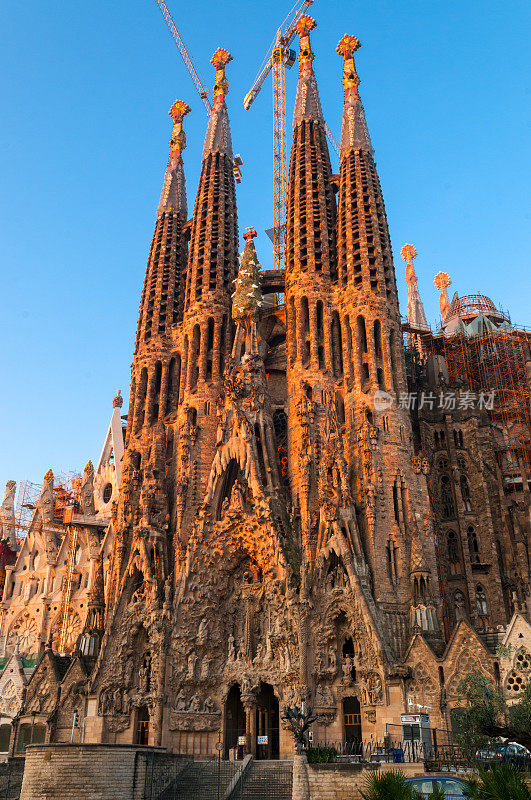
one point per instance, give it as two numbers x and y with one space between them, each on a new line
280 532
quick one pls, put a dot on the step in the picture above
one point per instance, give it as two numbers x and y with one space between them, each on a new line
266 780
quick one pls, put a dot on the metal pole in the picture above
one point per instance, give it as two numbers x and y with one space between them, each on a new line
73 727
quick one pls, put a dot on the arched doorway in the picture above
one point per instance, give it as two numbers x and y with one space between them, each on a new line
234 722
142 726
351 720
267 723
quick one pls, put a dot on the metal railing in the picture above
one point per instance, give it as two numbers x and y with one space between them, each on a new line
11 773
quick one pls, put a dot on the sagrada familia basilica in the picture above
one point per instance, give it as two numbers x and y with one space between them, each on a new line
275 523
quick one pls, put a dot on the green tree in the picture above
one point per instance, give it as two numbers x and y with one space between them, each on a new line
486 715
501 782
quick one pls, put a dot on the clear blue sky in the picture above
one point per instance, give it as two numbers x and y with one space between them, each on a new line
86 88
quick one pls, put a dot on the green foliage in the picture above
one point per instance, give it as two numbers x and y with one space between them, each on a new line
501 782
520 713
486 716
484 709
389 786
321 755
438 794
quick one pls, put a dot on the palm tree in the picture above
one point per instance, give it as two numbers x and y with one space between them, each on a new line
389 786
500 782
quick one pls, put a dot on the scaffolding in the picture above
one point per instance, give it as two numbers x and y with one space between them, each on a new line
496 362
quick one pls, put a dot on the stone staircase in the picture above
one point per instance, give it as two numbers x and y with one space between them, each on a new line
199 781
265 780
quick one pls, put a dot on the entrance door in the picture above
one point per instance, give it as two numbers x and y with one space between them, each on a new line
234 722
352 721
267 723
142 726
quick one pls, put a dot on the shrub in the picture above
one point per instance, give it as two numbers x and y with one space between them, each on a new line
321 755
500 782
389 786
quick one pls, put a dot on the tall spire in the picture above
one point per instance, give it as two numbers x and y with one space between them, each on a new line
415 308
218 138
213 255
161 303
173 196
311 212
307 102
364 249
354 131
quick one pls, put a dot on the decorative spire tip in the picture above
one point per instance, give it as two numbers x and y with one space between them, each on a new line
250 233
408 253
219 61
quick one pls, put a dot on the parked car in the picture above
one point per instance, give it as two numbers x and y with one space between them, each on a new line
452 787
515 753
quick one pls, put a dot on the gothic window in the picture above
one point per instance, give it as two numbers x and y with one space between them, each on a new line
362 351
453 553
340 408
305 331
280 424
141 400
195 346
392 570
395 502
348 333
443 439
184 368
473 545
436 438
223 344
481 601
459 606
156 392
447 499
172 385
209 349
460 438
465 493
292 329
337 346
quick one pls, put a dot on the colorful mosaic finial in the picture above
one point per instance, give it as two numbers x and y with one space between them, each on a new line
219 61
346 48
48 478
442 281
177 112
250 233
305 24
118 401
89 468
408 253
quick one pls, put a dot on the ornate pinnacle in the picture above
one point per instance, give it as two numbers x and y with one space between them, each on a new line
442 281
118 400
219 61
178 137
89 468
250 233
408 253
346 48
48 478
305 24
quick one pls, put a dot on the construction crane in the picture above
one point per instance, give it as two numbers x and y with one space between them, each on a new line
281 57
194 74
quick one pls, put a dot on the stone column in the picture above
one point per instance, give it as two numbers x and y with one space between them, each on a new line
250 727
301 784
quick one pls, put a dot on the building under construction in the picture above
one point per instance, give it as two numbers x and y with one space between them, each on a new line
287 528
